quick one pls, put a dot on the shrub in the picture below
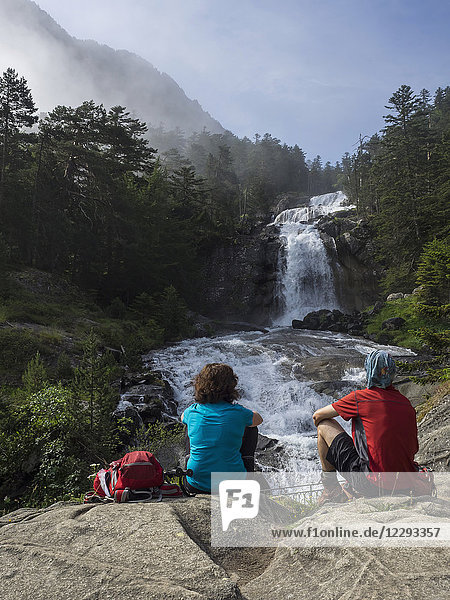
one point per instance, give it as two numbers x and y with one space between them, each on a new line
17 347
117 309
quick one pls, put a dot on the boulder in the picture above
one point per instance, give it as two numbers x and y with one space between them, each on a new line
396 296
393 323
297 324
151 400
269 453
111 551
162 551
332 320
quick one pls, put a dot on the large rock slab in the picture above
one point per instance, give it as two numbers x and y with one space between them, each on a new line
353 574
163 551
107 552
359 573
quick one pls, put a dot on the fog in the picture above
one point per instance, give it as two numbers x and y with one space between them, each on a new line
317 74
63 70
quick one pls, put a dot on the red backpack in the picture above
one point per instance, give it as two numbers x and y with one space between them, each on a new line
137 476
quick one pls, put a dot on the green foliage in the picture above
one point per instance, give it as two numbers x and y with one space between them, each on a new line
43 431
434 313
64 370
87 198
172 315
400 181
92 386
35 376
406 309
4 254
433 273
156 436
437 369
16 348
117 309
50 434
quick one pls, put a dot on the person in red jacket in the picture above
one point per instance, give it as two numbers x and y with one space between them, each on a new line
384 432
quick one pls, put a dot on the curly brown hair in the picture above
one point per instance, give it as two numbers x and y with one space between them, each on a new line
215 382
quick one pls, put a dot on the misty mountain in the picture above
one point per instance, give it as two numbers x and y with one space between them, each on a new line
61 69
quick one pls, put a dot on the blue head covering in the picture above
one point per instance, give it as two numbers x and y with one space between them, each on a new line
380 369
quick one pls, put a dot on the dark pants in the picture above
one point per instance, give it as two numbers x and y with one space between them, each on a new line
248 448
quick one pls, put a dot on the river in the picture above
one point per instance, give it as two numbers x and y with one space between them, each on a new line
278 372
284 374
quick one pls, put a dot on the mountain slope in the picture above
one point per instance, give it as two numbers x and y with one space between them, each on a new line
61 69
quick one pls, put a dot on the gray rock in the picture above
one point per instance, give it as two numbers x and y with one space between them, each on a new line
376 309
357 573
396 296
151 400
298 324
269 453
349 242
131 552
434 437
393 323
163 551
238 277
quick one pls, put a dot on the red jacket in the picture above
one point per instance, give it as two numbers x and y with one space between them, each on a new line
384 428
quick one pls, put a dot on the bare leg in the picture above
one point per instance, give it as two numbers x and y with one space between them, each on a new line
327 430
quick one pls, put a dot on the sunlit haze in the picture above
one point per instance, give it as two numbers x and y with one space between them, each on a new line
316 74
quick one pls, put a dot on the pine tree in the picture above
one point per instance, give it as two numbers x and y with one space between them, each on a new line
17 110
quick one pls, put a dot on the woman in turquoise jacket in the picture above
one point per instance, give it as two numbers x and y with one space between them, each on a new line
222 434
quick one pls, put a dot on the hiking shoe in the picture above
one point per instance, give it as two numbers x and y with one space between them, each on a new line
350 492
334 495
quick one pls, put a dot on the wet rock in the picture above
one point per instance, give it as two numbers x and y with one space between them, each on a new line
238 277
335 389
145 401
239 326
332 320
350 246
393 323
298 324
289 200
269 453
265 443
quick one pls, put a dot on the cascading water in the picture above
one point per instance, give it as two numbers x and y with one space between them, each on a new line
305 277
280 371
277 372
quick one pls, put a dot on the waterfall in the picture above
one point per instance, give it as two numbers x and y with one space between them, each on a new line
305 276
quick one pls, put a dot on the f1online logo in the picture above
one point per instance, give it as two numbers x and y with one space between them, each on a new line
239 499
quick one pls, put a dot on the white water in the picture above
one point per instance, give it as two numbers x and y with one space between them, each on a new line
276 371
305 277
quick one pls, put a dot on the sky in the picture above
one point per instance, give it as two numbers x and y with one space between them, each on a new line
317 73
